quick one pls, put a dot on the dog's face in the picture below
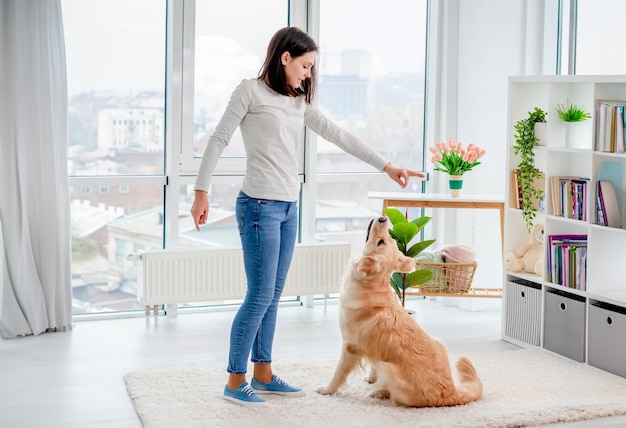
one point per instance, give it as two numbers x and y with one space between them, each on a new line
381 254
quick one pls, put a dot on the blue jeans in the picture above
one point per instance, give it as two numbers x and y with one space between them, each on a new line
268 235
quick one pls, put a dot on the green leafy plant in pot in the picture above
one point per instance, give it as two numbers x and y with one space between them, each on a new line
524 147
573 117
572 113
403 232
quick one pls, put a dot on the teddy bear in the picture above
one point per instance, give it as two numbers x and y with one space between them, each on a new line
528 257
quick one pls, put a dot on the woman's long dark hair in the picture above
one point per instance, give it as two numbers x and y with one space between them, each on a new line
297 43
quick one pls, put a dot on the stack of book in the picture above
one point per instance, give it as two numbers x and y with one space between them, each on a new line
569 196
567 260
610 126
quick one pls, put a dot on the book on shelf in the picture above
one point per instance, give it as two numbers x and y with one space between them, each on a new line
567 260
574 256
578 192
613 171
618 129
610 126
607 205
516 191
569 196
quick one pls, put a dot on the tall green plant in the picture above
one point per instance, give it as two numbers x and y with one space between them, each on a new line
403 232
525 143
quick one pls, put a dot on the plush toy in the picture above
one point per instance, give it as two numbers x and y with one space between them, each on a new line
529 257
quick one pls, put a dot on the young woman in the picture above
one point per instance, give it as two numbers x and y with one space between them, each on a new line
271 112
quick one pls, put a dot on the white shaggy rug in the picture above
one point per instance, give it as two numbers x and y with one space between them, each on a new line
521 388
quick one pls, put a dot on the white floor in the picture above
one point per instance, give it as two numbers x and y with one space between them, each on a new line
74 379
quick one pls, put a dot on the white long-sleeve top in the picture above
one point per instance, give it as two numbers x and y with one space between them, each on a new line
271 126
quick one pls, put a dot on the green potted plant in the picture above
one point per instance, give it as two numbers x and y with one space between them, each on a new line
573 116
525 142
403 232
572 113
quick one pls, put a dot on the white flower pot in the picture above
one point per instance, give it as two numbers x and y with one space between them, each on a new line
541 131
575 137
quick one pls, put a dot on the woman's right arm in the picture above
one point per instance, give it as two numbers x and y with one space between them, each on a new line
235 112
200 208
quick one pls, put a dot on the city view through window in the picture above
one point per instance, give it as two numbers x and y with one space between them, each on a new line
369 84
117 123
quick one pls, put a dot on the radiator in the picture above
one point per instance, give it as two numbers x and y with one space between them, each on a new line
215 274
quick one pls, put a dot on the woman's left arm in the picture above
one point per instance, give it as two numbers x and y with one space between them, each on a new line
330 131
401 175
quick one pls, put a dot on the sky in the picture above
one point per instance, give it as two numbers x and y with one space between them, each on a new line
120 44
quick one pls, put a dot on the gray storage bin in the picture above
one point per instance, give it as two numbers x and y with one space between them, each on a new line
564 324
607 337
523 311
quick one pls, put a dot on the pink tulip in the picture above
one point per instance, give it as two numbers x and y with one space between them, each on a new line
452 155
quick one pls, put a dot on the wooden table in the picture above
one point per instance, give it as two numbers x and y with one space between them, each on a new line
442 200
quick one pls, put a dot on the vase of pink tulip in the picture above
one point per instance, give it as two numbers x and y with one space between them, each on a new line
455 160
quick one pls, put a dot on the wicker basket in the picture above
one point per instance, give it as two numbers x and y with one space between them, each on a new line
447 277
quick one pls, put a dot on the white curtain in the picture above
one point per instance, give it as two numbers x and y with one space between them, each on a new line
35 289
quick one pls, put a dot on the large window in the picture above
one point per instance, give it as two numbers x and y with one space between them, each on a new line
372 83
372 79
230 42
116 82
230 45
587 33
599 33
148 81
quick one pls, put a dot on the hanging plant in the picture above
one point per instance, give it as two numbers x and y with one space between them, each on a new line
525 142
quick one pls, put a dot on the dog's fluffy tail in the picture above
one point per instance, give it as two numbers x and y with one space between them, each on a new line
470 387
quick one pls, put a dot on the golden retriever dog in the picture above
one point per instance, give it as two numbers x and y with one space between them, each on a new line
407 365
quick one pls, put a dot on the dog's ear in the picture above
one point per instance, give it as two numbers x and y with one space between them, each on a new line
405 265
368 265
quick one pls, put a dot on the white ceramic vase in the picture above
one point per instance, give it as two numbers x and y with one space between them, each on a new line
575 137
541 131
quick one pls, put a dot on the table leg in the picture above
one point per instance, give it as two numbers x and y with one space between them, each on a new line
502 227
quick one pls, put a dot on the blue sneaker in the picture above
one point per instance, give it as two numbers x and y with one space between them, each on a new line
276 386
244 395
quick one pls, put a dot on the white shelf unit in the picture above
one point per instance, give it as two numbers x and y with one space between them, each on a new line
565 312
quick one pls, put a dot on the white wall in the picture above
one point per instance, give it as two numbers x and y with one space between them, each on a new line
480 44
